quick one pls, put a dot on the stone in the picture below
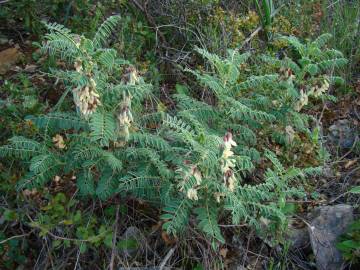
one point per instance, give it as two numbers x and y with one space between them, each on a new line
328 224
8 58
342 134
299 238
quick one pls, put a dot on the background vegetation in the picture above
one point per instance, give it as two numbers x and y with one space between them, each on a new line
137 133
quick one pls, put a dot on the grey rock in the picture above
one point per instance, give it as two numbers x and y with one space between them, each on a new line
299 238
328 224
342 134
132 242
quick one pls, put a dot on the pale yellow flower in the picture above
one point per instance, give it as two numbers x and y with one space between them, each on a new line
321 90
290 134
228 141
227 153
125 117
304 100
218 196
197 175
78 66
227 165
58 140
87 99
231 183
192 194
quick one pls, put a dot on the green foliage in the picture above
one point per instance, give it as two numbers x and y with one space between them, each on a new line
198 158
176 215
199 126
58 121
266 10
103 127
306 74
349 243
341 19
355 190
19 98
97 127
82 15
22 148
197 162
13 252
103 33
60 212
257 105
314 59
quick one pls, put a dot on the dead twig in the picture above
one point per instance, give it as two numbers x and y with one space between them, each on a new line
167 257
348 152
113 249
150 20
15 236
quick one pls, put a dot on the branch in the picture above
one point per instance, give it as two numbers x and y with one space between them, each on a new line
167 257
113 250
150 20
15 236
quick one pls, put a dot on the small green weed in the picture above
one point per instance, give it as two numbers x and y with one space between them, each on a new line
349 243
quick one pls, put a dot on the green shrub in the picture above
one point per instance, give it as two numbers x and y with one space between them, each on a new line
199 161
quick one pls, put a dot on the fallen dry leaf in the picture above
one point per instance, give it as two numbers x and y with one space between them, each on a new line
223 252
168 239
156 226
30 68
28 192
8 58
350 163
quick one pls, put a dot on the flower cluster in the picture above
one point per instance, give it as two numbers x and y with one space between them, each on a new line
58 141
287 74
303 101
187 173
227 162
290 134
317 91
125 116
86 98
192 194
130 76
